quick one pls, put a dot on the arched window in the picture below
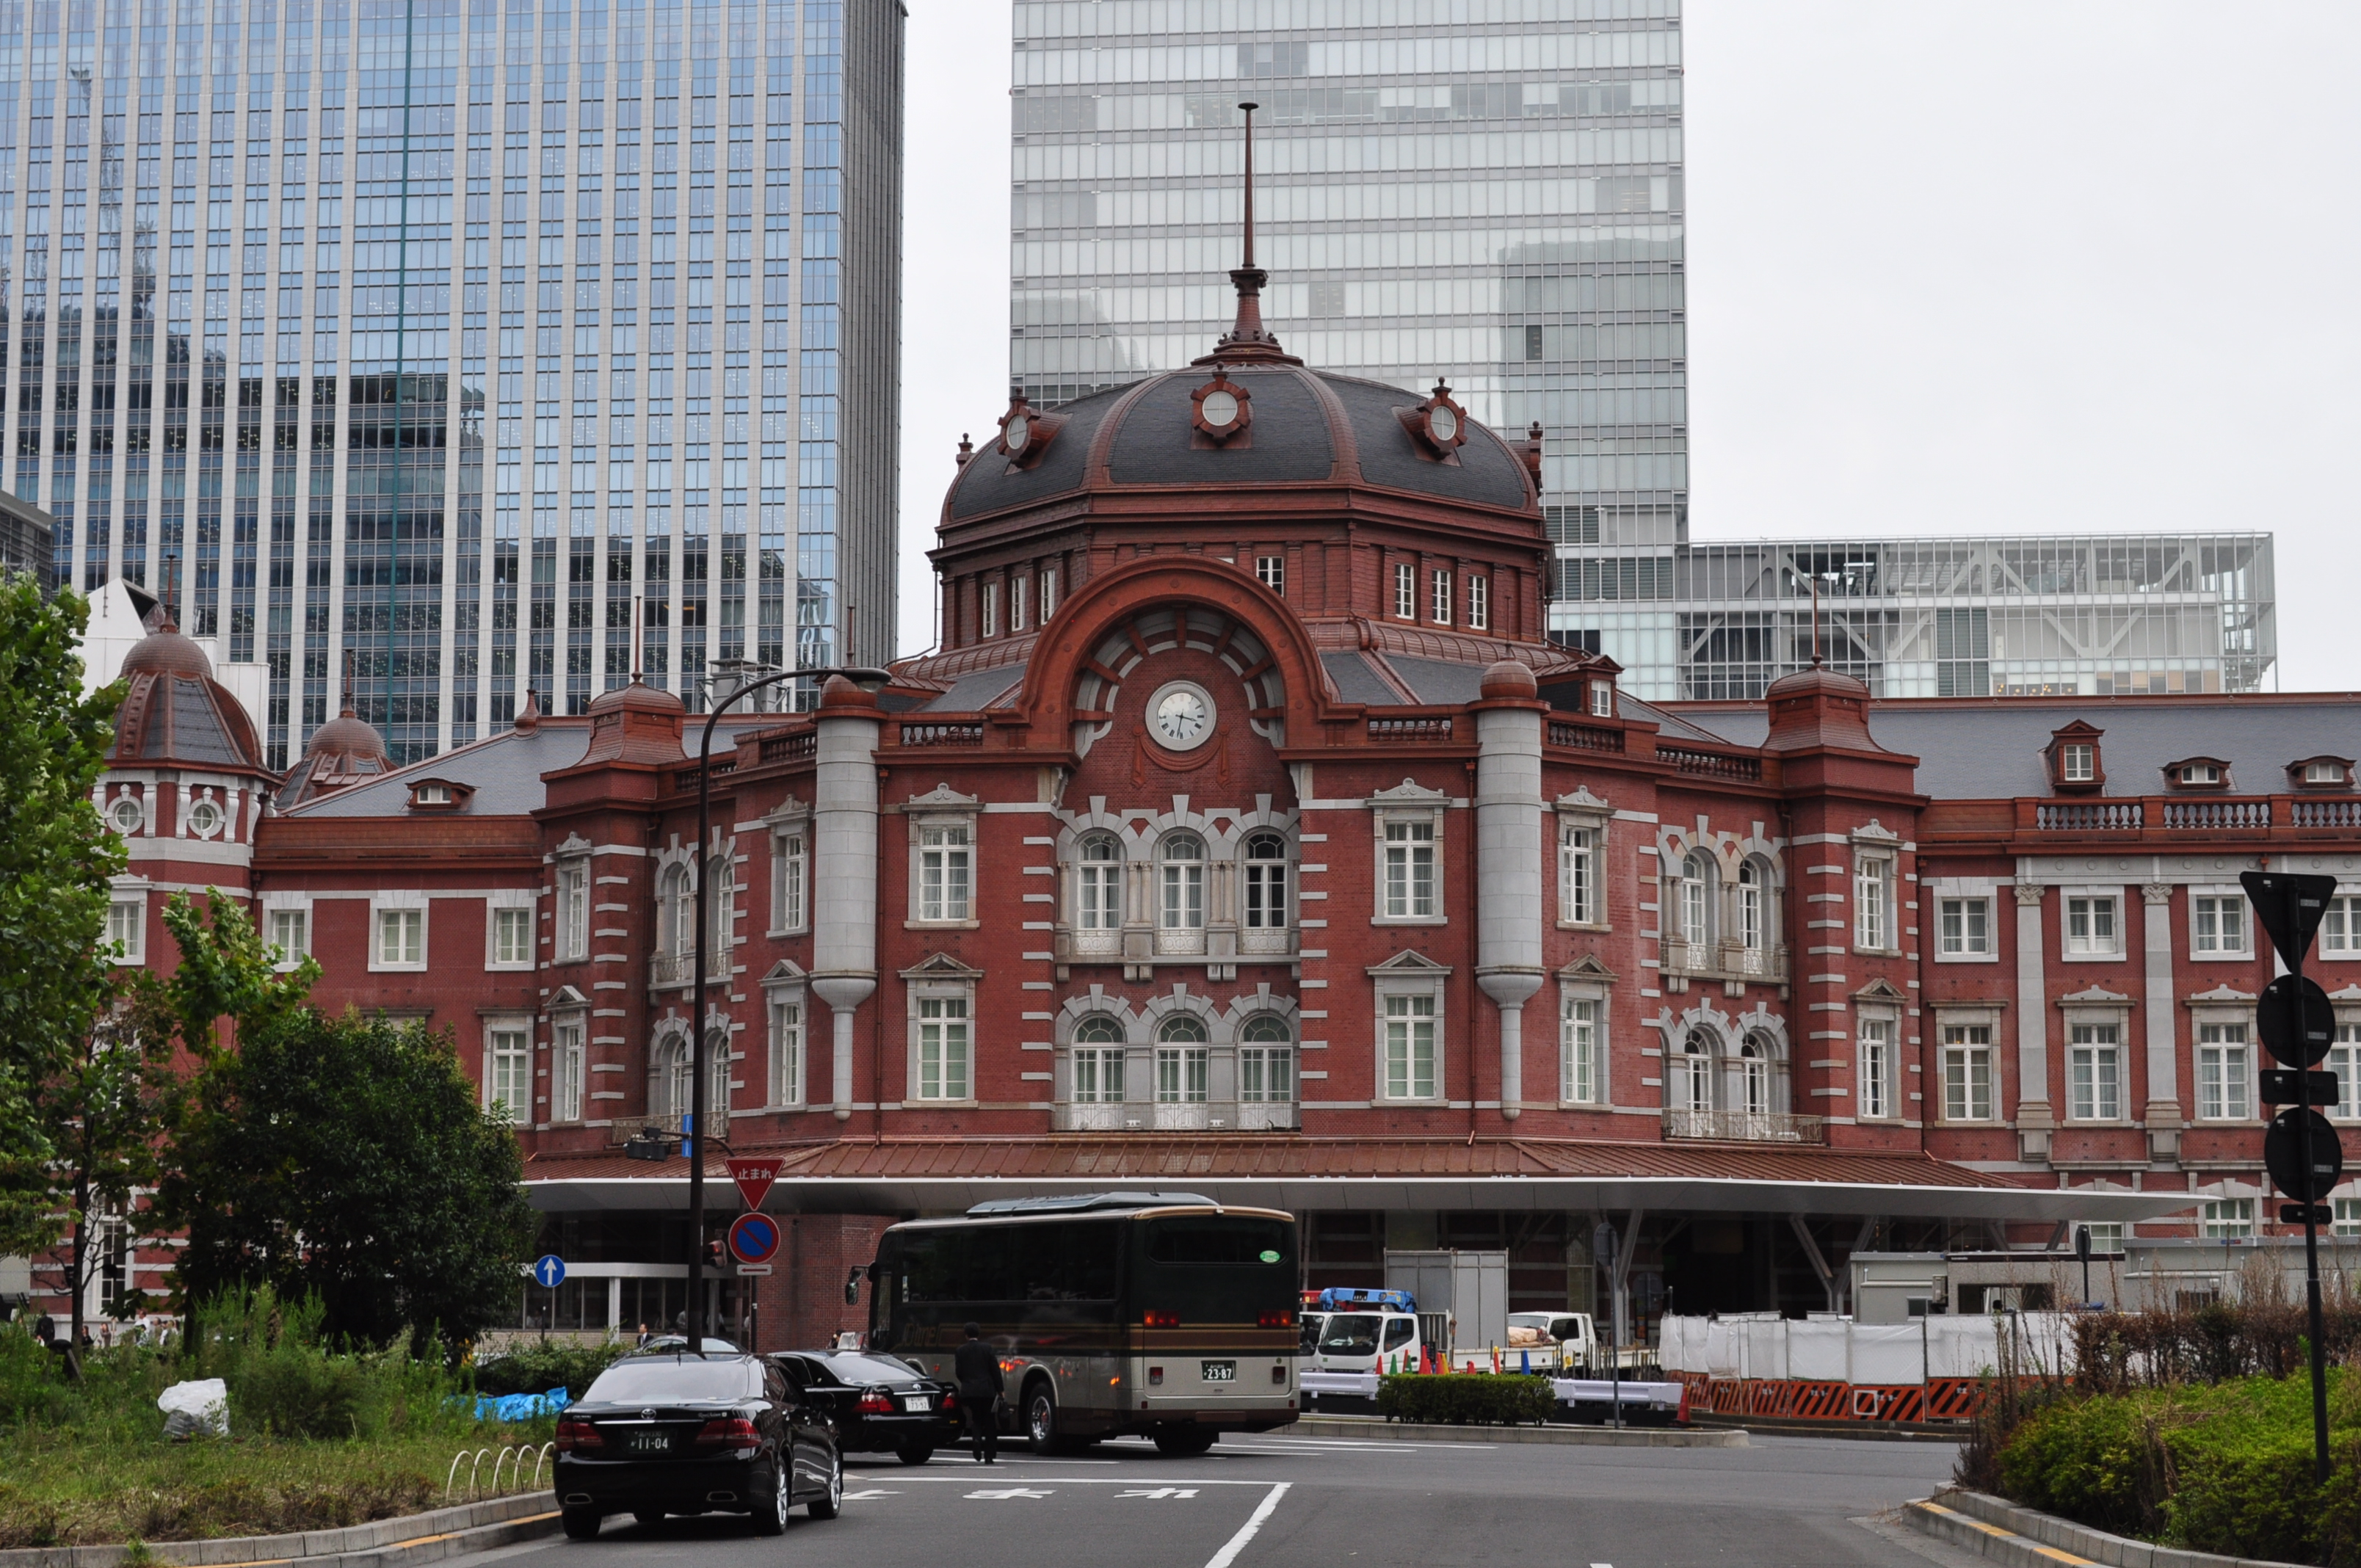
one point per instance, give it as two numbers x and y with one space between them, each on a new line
674 1085
1754 1078
1696 899
1752 911
1692 1090
1180 903
1183 1061
677 920
1265 928
1098 885
1266 1060
1098 1060
719 916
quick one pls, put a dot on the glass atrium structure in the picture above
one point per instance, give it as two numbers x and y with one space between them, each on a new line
1487 192
445 333
2096 614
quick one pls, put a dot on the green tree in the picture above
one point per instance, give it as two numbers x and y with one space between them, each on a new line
345 1158
56 860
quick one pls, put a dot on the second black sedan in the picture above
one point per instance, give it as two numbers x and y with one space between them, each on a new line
879 1404
695 1434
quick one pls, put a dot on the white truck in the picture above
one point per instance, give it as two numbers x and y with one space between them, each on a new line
1352 1340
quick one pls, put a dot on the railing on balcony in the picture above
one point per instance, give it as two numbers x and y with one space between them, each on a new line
2089 816
1584 737
623 1129
1712 764
793 747
685 780
1423 726
1746 1126
916 732
2217 815
1185 1116
680 969
2325 813
1725 961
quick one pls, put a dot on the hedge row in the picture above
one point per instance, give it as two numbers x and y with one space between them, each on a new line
1461 1398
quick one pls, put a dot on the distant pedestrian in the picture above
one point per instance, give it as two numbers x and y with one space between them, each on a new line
644 1337
980 1388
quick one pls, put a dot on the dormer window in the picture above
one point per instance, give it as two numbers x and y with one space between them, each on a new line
2198 772
2075 766
434 794
438 794
1602 699
2321 772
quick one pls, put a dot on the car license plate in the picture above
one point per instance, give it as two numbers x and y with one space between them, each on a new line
1221 1370
919 1402
649 1442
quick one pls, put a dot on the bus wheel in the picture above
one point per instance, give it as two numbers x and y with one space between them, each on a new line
1041 1420
1183 1441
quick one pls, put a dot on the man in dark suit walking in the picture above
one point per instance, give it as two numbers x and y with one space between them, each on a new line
980 1386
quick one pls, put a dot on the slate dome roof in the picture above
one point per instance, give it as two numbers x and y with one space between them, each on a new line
173 711
167 651
1308 427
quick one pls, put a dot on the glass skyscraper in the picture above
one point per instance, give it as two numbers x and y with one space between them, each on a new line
448 333
1487 192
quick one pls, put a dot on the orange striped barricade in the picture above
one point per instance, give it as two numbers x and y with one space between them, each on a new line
1729 1397
1955 1399
1886 1402
1812 1400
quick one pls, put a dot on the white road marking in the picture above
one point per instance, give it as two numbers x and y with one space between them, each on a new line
1160 1492
874 1492
1229 1552
1002 1494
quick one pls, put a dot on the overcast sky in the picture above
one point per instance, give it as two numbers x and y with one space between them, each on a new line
1954 269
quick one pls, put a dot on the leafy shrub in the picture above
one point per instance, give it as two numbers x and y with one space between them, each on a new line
537 1366
285 1381
1460 1399
32 1380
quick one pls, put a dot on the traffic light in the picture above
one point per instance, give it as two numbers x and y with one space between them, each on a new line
713 1257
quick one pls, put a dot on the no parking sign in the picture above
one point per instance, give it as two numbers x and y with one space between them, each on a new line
753 1238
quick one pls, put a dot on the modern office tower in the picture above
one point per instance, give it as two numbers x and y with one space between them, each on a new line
1488 193
2096 614
444 335
25 540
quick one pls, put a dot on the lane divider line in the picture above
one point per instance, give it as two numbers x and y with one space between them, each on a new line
1229 1552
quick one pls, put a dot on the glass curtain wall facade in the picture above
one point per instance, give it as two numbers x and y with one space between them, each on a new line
443 332
1487 192
2044 616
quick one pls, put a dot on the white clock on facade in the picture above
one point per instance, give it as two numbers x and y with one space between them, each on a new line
1180 716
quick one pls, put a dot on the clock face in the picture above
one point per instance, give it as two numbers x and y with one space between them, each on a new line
1180 716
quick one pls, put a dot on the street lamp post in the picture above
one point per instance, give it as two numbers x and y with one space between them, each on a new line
867 680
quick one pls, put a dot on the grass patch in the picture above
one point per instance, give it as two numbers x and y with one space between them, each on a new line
319 1439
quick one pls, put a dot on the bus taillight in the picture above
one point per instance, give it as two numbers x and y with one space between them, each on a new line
1274 1320
1155 1320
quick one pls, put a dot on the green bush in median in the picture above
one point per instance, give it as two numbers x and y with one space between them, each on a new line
1465 1399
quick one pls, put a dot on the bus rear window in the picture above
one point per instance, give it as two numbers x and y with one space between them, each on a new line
1217 1239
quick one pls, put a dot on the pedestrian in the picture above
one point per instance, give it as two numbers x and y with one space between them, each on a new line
643 1338
980 1389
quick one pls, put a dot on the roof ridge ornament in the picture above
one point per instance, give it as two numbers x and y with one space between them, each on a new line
1247 339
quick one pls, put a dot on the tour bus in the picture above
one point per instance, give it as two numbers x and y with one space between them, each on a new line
1159 1313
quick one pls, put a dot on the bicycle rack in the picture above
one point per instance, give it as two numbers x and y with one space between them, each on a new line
508 1454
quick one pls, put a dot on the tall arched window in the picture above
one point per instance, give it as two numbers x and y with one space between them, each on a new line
1266 1060
1754 1078
1098 1060
675 922
677 1082
1098 895
1752 912
1696 899
1694 1091
1180 903
1265 923
719 915
1183 1062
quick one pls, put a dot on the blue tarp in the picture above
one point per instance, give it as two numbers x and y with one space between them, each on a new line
520 1407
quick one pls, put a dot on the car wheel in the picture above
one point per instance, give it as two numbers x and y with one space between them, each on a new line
829 1504
581 1524
1183 1443
1041 1420
915 1453
770 1510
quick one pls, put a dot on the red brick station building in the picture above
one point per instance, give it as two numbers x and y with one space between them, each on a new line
1246 835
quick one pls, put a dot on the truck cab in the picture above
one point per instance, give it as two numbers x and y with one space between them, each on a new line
1562 1340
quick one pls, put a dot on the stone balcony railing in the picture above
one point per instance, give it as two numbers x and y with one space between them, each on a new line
1746 1126
680 969
1726 960
1185 1116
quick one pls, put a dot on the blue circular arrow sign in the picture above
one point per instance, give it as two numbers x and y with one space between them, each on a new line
549 1271
753 1238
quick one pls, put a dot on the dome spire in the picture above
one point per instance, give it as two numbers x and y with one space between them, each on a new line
1247 339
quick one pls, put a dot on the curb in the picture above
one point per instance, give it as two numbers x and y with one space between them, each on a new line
1870 1431
2022 1537
381 1543
1582 1437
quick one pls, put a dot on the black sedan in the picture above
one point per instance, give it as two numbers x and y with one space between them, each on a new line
690 1434
880 1404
